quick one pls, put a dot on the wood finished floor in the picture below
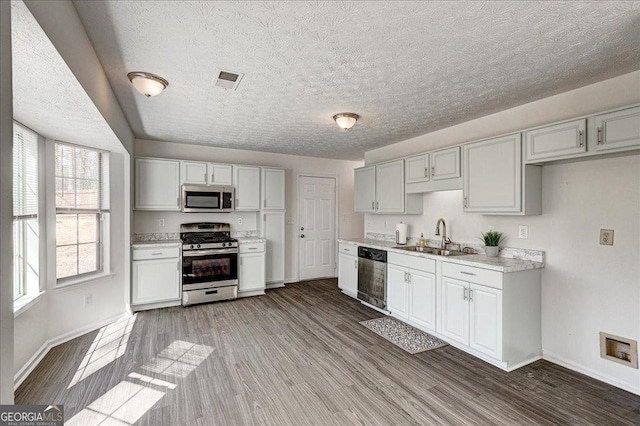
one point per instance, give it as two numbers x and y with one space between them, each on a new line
299 356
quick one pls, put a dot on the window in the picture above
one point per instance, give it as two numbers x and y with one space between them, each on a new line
25 212
81 210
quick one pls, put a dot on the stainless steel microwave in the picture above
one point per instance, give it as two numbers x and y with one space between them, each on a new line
205 198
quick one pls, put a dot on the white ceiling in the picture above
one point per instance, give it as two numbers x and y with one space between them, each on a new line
407 68
46 95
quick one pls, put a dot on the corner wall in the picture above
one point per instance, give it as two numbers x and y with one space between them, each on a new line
6 207
586 287
350 224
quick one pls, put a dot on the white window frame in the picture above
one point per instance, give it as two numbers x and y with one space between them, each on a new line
29 289
104 230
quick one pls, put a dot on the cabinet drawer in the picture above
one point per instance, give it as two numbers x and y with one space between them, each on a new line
251 247
348 249
471 274
414 262
155 253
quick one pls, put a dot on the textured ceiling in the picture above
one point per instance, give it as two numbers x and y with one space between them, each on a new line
407 68
46 95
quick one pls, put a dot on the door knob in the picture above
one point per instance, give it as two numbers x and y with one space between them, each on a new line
301 235
302 229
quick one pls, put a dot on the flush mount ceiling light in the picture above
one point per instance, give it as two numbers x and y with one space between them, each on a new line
346 120
148 84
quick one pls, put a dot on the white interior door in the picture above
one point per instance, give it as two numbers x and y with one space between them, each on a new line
317 230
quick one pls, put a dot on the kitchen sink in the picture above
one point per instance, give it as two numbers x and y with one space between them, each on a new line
431 250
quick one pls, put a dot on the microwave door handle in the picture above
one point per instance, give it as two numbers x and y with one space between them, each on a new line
199 253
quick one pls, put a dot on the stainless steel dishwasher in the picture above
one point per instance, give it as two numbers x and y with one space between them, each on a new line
372 276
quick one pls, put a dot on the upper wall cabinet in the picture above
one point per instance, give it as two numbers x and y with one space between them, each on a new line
364 182
417 169
273 189
193 172
220 174
495 180
445 164
553 142
157 184
615 130
246 180
390 187
380 189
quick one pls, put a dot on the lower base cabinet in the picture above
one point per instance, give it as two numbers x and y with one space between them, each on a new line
251 269
411 295
155 275
348 274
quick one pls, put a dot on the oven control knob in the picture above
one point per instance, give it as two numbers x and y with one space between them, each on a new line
191 247
198 246
224 244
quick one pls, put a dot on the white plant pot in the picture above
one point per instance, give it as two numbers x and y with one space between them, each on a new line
491 251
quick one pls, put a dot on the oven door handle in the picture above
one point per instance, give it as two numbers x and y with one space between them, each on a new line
198 253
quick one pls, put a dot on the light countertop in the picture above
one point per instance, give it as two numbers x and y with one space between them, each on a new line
501 264
246 240
156 243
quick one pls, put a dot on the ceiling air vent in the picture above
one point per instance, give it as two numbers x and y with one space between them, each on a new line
228 79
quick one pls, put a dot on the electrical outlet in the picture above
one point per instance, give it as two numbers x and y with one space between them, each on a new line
161 222
490 228
87 300
240 221
606 237
523 232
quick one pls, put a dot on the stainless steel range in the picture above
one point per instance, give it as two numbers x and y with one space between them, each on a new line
209 263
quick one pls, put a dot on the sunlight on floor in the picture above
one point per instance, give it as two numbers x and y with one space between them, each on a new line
129 400
109 345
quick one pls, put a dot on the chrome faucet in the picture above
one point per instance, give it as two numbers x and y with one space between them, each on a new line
445 239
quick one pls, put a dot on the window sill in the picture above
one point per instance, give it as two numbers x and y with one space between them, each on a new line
25 302
83 280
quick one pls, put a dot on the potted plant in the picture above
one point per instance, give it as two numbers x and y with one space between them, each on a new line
492 240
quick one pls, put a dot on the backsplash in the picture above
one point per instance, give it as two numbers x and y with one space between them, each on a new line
163 236
509 252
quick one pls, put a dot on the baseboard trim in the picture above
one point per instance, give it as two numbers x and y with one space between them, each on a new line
553 358
33 362
271 286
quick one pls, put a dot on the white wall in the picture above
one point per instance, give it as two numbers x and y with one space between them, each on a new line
587 288
349 224
6 208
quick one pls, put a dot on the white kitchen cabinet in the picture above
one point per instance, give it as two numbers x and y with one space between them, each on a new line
273 189
417 169
485 320
251 270
495 180
445 164
422 299
557 141
618 130
348 272
398 291
272 228
156 276
364 182
390 187
455 310
246 181
491 314
193 173
157 184
220 174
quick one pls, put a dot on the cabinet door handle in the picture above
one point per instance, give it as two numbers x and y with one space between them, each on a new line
157 253
467 273
470 295
377 204
433 171
346 249
178 265
373 205
464 294
580 138
212 178
426 172
465 201
252 248
599 135
408 278
356 263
